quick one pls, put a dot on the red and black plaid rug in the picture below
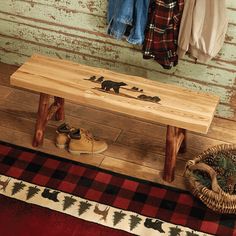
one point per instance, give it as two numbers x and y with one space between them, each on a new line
41 194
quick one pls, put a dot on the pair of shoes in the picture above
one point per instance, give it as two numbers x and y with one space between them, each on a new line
78 140
62 139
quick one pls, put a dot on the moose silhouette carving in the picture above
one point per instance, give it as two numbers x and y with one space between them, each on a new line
103 213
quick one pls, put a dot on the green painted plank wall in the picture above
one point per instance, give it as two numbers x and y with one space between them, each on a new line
76 30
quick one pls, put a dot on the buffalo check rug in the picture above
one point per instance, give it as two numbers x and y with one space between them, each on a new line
41 194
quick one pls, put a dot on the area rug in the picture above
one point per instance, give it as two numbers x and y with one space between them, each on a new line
41 194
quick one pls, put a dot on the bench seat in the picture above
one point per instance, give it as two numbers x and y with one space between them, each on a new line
179 108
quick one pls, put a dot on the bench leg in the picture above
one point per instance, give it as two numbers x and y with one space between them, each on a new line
183 145
41 119
175 142
60 114
45 113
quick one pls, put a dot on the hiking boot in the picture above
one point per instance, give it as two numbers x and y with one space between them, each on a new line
62 138
82 141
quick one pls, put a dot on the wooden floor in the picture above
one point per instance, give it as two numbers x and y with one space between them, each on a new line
136 148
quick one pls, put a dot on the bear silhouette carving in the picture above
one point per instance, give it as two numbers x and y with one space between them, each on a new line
107 85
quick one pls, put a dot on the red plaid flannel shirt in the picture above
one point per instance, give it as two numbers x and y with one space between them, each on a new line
162 31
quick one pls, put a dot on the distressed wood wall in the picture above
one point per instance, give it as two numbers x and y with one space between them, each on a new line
76 30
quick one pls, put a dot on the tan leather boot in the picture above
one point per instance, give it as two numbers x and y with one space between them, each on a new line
81 141
62 138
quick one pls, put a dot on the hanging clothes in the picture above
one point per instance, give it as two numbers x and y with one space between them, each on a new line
127 19
203 28
162 30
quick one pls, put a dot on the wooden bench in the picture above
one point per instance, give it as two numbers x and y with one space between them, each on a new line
179 108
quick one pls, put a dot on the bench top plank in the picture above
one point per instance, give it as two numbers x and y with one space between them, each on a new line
178 107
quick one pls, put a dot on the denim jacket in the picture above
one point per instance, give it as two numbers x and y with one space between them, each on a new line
128 18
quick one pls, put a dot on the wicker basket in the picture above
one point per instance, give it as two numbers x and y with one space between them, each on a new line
213 196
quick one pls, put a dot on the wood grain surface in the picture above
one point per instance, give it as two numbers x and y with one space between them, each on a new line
178 107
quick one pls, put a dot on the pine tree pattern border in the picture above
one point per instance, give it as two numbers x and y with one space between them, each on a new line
90 210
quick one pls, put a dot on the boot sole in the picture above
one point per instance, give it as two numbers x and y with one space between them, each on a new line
61 146
83 152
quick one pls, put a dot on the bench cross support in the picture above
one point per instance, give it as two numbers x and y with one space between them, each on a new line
175 142
46 113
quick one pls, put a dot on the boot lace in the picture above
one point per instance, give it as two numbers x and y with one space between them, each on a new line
89 137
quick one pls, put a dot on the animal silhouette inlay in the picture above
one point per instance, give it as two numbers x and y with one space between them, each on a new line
50 194
155 224
136 89
4 184
92 78
100 79
103 213
149 98
107 85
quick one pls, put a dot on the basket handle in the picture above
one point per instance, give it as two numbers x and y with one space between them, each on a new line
204 167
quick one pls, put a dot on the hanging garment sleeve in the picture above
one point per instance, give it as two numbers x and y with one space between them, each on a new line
185 28
120 15
140 21
221 22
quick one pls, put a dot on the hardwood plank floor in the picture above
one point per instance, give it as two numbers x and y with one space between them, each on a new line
136 147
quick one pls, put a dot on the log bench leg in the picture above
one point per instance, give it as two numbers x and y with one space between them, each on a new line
45 113
175 142
60 114
41 119
183 145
